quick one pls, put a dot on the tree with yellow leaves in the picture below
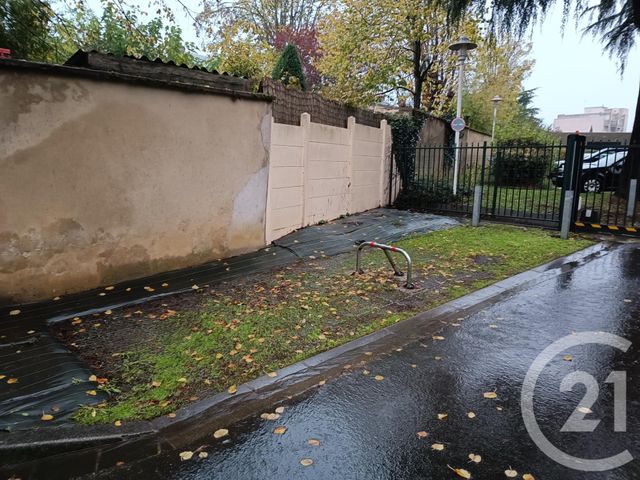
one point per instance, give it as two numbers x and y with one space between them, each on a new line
375 49
498 68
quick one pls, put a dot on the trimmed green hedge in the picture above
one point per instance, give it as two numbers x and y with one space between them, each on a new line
518 170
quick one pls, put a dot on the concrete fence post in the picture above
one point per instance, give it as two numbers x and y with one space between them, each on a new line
631 199
477 204
567 211
268 234
383 163
305 123
351 127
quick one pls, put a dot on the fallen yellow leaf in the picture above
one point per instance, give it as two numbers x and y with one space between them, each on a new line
117 423
279 430
109 288
156 383
186 455
232 389
437 446
475 458
442 416
93 393
46 417
567 358
511 473
279 410
222 432
14 312
490 395
471 415
305 462
379 378
438 337
584 410
461 472
12 380
422 434
528 476
272 374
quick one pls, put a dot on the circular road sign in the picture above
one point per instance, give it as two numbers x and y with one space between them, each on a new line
457 124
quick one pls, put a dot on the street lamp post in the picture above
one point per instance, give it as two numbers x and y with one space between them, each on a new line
496 100
462 46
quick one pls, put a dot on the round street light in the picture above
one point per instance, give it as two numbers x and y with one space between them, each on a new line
496 100
462 46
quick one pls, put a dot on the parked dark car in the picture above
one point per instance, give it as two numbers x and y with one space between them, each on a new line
600 170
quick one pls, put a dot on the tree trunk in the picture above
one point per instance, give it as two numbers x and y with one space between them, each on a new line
417 75
631 167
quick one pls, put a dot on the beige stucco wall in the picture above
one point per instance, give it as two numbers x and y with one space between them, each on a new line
474 137
434 133
103 182
319 172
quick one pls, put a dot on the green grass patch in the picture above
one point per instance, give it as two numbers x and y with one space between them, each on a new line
268 321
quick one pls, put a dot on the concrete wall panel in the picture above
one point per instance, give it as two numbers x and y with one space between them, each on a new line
343 170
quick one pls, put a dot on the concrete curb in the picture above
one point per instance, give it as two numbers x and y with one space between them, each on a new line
66 452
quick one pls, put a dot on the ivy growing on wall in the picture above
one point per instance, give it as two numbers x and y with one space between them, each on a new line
405 132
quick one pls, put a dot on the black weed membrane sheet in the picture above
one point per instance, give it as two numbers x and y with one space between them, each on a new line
38 374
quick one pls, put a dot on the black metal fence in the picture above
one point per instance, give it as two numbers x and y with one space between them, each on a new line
608 199
518 183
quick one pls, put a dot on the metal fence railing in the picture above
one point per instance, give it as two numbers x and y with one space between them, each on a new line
518 182
608 187
522 183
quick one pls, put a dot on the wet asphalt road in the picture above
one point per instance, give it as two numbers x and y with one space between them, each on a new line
367 428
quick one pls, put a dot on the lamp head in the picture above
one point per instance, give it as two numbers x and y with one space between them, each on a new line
462 46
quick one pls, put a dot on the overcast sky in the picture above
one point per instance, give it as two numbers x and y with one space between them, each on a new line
571 71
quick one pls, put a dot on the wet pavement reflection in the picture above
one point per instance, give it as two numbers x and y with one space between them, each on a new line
367 422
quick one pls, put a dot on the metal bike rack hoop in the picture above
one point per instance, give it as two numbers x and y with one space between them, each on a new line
386 249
